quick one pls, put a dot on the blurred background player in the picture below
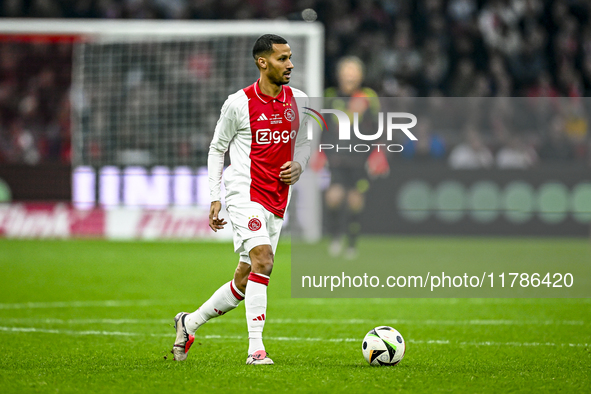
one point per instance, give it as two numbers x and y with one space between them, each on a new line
349 169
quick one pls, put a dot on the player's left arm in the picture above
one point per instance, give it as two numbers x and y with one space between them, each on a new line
291 171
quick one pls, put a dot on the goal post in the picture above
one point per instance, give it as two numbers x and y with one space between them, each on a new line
146 95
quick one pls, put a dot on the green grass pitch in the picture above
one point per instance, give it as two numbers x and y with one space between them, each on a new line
96 316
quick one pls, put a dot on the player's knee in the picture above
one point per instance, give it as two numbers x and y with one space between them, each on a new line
355 201
334 196
261 258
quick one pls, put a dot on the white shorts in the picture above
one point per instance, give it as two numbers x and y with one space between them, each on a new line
253 225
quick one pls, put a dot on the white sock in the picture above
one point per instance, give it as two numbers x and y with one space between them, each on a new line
256 309
223 300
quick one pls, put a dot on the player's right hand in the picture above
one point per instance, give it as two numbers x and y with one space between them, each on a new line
215 223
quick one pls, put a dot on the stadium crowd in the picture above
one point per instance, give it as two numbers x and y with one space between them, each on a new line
448 48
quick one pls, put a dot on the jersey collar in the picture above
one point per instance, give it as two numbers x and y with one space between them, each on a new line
265 98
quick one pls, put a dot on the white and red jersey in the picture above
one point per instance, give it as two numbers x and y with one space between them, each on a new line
262 133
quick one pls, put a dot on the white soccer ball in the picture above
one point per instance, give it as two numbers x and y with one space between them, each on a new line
383 346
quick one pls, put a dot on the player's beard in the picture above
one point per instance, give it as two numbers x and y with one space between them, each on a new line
281 79
277 76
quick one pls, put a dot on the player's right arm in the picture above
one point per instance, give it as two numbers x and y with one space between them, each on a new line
215 223
225 130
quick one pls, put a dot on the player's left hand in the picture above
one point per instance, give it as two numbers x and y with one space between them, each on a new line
290 172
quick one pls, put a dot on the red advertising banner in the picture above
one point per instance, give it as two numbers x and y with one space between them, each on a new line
50 220
46 220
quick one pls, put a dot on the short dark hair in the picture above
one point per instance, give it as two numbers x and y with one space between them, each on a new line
264 44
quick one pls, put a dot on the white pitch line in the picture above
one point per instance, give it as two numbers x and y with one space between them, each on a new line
102 332
291 339
477 322
67 332
223 320
443 301
83 304
290 301
86 321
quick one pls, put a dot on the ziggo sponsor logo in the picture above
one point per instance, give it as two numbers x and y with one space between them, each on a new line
266 136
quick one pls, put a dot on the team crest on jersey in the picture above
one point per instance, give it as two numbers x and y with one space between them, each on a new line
254 224
289 114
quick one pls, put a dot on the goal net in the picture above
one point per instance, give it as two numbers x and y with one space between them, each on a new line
145 97
150 93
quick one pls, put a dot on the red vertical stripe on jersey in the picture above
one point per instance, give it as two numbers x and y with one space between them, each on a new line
273 137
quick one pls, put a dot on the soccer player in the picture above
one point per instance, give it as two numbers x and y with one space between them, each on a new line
345 197
262 126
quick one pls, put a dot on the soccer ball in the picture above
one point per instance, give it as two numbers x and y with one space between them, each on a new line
383 346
